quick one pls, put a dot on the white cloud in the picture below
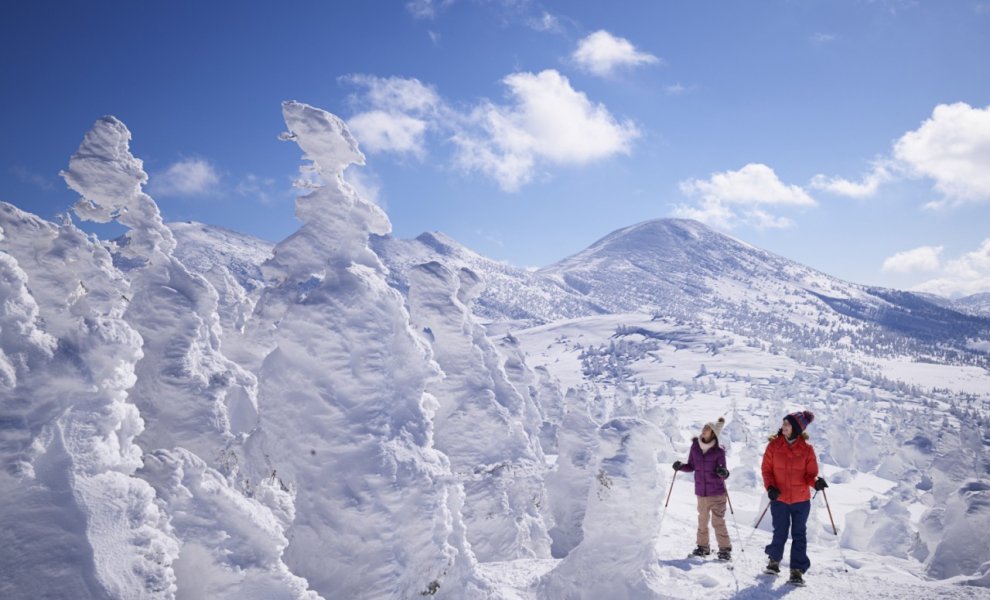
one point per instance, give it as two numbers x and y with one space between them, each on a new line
866 188
733 197
675 89
549 121
545 122
401 111
396 94
427 9
601 53
753 184
187 177
545 22
709 211
380 131
924 258
823 38
968 274
953 149
260 188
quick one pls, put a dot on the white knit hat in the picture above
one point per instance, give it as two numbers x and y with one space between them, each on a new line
716 426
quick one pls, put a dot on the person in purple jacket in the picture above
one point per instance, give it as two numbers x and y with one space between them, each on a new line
707 461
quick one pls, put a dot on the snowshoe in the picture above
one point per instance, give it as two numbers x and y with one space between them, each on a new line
700 552
725 554
796 578
773 567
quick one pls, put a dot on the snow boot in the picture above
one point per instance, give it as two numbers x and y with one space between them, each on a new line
773 567
725 554
796 578
700 552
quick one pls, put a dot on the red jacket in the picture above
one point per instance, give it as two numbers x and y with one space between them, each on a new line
791 468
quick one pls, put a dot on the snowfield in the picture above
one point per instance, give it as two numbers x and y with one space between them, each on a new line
187 412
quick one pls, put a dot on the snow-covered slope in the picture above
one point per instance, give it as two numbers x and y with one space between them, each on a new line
510 293
902 460
976 303
188 412
683 269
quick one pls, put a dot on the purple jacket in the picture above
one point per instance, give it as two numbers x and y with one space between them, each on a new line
706 482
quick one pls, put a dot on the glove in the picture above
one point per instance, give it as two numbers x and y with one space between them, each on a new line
677 465
721 472
773 492
820 484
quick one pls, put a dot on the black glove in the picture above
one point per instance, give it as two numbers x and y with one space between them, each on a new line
773 492
820 484
721 472
677 465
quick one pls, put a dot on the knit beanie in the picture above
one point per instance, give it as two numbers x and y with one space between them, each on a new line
716 426
800 421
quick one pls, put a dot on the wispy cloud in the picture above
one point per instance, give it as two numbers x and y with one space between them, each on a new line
187 177
546 122
29 177
895 6
865 188
400 94
602 53
924 258
676 89
822 38
261 189
399 112
380 131
730 198
545 22
427 9
968 274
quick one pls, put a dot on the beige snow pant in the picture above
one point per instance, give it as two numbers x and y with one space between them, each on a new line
713 507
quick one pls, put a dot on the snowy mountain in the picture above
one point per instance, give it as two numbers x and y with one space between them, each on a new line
509 294
683 269
188 412
976 304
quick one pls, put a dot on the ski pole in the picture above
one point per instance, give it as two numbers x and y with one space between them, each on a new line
834 530
757 526
735 523
758 521
664 515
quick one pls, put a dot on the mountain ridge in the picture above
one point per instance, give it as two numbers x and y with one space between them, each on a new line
684 269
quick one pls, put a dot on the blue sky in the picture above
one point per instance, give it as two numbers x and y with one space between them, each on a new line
850 135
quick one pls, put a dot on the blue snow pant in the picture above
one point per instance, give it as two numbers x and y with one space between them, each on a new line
793 517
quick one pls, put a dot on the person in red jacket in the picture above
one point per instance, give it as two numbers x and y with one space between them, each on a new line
790 470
